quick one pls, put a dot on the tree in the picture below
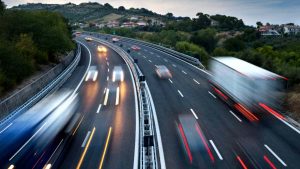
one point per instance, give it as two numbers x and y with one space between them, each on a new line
202 21
205 38
108 6
2 7
259 24
234 44
169 15
192 50
121 8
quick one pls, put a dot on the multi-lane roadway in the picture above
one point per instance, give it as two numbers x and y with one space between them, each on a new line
88 124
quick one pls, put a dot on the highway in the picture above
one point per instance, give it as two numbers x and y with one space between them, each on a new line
86 124
100 116
233 141
83 124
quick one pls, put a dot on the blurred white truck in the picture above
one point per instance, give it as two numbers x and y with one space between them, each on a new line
247 87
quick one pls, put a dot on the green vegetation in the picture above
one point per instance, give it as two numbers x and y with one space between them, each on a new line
28 39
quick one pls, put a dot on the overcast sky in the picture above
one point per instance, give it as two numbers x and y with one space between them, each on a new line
273 11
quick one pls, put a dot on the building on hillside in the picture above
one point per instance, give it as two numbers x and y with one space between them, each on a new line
113 24
100 25
268 30
156 22
128 25
133 18
291 29
141 23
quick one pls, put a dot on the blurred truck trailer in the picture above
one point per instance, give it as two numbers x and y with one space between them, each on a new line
248 88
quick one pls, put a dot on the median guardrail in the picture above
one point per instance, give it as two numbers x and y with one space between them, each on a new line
14 104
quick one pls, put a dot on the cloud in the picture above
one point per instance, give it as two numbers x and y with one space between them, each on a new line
273 11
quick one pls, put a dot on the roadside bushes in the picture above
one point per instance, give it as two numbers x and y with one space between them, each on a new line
28 39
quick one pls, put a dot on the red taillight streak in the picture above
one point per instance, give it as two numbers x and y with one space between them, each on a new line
270 110
242 162
246 112
185 143
220 93
205 143
269 162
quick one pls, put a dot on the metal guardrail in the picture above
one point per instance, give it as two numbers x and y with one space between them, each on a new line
147 142
147 155
56 83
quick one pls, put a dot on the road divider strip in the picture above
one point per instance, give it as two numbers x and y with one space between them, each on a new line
106 97
216 150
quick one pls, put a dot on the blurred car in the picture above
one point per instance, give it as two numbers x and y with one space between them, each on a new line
115 39
135 48
101 49
118 74
88 39
163 72
194 142
92 74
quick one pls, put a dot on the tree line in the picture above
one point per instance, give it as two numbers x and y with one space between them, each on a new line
29 39
199 38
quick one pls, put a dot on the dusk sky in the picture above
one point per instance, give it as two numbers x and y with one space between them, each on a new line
273 11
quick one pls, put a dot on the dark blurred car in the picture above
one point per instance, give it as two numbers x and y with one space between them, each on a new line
194 142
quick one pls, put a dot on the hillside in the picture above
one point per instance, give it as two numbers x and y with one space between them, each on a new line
92 11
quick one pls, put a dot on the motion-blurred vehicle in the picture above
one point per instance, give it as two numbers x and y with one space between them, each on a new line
115 39
118 74
101 49
246 87
163 72
88 39
193 141
135 48
92 74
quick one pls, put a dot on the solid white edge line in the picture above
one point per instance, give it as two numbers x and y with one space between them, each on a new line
27 141
196 81
6 128
85 139
212 95
159 142
289 125
216 150
118 96
90 57
275 155
99 108
106 97
235 116
171 81
194 114
180 93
